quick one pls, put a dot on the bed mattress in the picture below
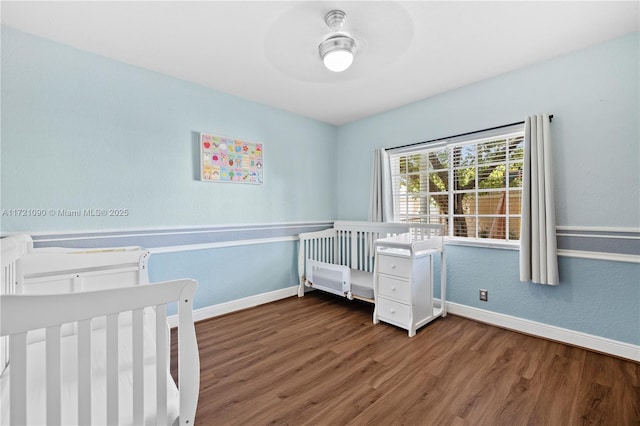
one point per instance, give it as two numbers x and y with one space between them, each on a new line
362 284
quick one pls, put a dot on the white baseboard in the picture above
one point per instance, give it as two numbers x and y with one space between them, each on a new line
588 341
236 305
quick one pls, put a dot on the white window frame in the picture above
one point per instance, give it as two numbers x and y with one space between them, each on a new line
503 132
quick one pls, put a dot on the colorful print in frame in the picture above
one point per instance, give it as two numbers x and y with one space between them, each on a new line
232 160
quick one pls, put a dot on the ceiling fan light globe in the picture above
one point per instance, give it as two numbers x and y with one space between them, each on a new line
338 60
337 52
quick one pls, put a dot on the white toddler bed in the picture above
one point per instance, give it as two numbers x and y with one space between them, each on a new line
340 260
85 339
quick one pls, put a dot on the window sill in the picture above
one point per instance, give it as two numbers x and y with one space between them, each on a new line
484 243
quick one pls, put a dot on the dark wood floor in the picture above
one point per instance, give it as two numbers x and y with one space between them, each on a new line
318 360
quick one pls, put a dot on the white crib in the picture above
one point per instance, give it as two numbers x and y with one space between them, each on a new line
85 339
341 260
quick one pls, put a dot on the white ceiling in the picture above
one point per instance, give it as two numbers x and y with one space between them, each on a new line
266 51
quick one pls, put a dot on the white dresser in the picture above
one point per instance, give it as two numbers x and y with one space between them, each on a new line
403 280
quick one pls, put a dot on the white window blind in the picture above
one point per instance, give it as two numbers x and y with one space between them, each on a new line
471 184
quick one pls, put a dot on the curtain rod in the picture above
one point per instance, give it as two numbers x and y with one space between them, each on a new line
461 134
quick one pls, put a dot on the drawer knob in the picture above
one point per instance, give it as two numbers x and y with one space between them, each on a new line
393 288
393 266
393 311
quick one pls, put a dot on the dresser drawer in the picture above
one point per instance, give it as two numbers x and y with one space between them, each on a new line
394 265
394 288
393 311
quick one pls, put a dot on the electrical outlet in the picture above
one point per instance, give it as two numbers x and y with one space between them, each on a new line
484 295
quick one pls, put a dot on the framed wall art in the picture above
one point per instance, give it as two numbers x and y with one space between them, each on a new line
231 160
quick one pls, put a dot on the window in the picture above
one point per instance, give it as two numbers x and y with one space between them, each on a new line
473 186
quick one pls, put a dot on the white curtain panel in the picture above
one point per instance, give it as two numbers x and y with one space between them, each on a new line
538 249
381 204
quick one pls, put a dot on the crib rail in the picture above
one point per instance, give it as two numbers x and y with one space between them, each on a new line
26 270
320 246
352 243
17 319
46 271
356 241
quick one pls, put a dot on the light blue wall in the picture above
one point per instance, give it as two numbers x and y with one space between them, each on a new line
597 297
226 274
594 95
82 131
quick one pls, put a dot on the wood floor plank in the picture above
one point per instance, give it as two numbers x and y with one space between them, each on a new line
319 360
397 402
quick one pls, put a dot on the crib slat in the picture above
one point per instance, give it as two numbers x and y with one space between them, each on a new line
53 376
343 248
358 250
362 241
138 367
327 249
331 249
350 245
346 248
112 370
367 244
361 244
161 364
367 251
84 372
18 378
10 279
326 244
314 249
